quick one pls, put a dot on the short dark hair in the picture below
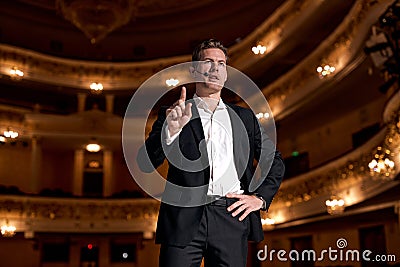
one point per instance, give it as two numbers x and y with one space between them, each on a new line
206 44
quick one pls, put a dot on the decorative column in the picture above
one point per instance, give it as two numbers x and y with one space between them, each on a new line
75 252
78 172
397 210
81 102
104 247
109 103
36 165
107 173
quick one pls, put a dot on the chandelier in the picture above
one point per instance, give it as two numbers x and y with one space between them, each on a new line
96 87
16 73
172 82
381 163
325 70
93 146
259 49
335 205
8 230
97 18
10 134
266 221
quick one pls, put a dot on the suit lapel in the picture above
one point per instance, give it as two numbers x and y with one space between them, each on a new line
195 123
241 147
198 133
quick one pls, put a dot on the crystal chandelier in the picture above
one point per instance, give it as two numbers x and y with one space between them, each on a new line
97 18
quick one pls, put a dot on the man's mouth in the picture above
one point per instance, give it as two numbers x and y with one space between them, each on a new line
213 77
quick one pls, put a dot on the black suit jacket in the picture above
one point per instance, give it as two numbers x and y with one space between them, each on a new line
176 224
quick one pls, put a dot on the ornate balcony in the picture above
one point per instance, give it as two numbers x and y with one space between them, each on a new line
32 214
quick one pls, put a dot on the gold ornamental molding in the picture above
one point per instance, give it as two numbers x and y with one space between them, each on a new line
285 21
350 177
43 214
78 73
128 76
340 50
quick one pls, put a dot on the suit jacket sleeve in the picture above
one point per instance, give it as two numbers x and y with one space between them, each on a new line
270 162
151 154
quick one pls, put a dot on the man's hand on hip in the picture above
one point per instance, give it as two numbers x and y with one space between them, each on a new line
245 204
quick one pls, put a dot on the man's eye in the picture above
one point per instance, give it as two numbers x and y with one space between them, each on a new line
222 64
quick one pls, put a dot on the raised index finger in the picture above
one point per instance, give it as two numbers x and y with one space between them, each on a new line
183 94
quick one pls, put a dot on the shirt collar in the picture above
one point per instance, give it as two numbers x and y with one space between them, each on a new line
200 103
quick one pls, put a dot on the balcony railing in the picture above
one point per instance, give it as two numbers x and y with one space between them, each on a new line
44 214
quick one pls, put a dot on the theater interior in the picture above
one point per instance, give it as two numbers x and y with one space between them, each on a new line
74 83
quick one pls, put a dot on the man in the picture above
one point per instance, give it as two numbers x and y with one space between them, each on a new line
218 229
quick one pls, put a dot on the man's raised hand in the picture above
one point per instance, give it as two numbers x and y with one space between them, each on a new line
179 114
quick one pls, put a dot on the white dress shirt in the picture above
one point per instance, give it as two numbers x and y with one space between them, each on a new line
218 136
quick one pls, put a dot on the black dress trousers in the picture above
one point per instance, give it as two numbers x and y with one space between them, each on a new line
221 240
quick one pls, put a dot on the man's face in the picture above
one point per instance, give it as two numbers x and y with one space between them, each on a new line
213 68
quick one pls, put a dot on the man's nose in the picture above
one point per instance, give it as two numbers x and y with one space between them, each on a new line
213 66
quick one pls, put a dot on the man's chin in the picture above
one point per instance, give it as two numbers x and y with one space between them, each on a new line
214 86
